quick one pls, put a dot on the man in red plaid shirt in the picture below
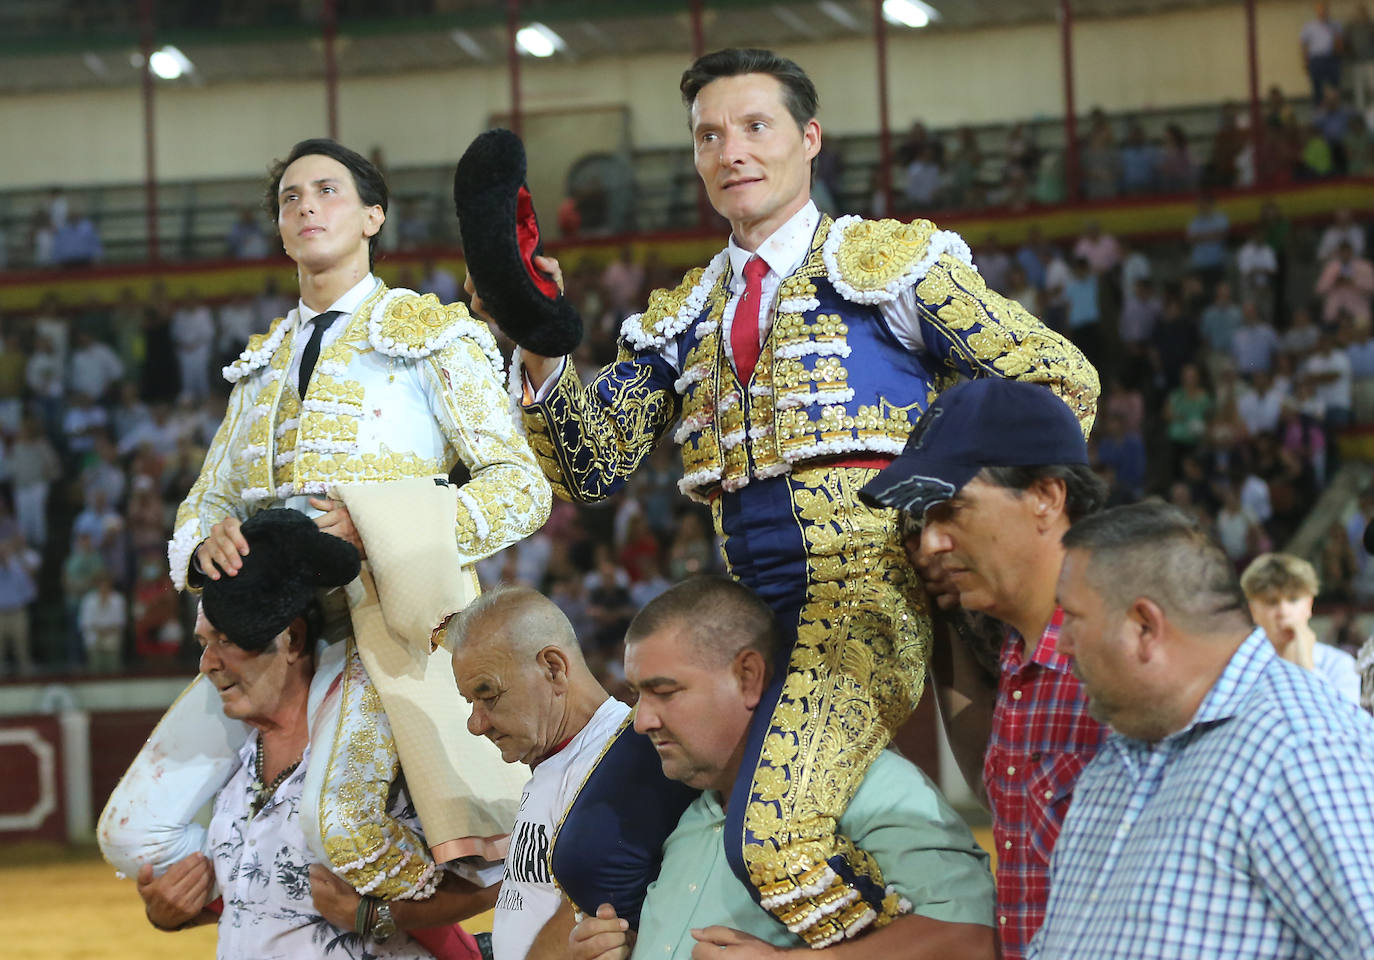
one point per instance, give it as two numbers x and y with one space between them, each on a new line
993 475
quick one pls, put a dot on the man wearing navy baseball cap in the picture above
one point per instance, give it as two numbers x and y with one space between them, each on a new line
993 474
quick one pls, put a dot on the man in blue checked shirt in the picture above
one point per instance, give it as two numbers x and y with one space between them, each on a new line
1228 813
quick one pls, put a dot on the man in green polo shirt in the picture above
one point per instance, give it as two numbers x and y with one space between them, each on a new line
700 656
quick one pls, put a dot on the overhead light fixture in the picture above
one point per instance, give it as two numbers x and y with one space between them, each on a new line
839 14
169 63
469 44
909 13
538 40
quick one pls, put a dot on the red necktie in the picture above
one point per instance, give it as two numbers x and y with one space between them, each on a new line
744 329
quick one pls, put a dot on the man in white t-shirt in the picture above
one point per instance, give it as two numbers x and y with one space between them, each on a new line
517 661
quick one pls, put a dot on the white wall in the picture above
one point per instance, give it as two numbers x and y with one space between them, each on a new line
945 78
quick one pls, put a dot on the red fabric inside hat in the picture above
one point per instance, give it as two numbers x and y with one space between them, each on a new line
527 238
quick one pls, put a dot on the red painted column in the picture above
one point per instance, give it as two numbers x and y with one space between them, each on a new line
1072 183
1252 62
884 126
145 39
704 210
513 62
331 67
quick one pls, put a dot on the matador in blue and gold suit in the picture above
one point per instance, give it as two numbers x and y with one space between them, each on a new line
869 320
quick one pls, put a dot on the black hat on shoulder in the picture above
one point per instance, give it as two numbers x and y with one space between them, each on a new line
289 558
500 241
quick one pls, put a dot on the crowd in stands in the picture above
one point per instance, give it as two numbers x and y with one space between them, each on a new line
1230 362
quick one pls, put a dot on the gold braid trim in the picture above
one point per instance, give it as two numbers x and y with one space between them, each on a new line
1002 338
854 676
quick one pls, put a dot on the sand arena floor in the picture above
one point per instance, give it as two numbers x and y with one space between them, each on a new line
65 903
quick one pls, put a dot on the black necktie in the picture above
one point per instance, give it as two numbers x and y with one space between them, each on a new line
312 349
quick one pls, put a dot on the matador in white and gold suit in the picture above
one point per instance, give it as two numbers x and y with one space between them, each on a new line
404 388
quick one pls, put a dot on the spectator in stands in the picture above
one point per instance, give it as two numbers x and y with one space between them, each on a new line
103 618
1227 145
1358 35
1260 403
161 380
923 179
608 602
12 361
964 166
994 263
1207 238
76 242
1317 160
1135 265
158 632
1339 567
691 552
33 468
1175 342
1101 165
1083 296
1256 266
1280 589
1055 303
81 424
1139 162
1238 531
622 283
1186 412
651 583
193 333
158 433
1219 324
17 592
1327 370
1358 146
1100 249
1033 257
44 376
94 367
1345 285
83 566
1175 172
1301 336
237 322
1321 51
1124 453
1021 290
1255 342
247 240
412 226
1331 120
439 281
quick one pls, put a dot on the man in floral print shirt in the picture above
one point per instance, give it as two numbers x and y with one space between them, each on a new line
277 901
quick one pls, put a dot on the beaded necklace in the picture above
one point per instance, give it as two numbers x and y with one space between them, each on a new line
261 794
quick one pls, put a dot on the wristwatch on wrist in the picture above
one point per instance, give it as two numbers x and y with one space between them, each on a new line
384 926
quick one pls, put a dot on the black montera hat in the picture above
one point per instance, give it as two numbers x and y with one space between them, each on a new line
500 241
289 558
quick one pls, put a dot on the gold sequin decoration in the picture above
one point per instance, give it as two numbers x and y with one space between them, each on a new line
855 674
874 253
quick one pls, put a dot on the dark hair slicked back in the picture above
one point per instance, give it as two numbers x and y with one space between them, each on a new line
799 93
367 179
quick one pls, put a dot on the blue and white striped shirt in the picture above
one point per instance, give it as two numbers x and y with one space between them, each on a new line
1248 834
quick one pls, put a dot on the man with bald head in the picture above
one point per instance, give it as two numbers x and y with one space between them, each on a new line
517 661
